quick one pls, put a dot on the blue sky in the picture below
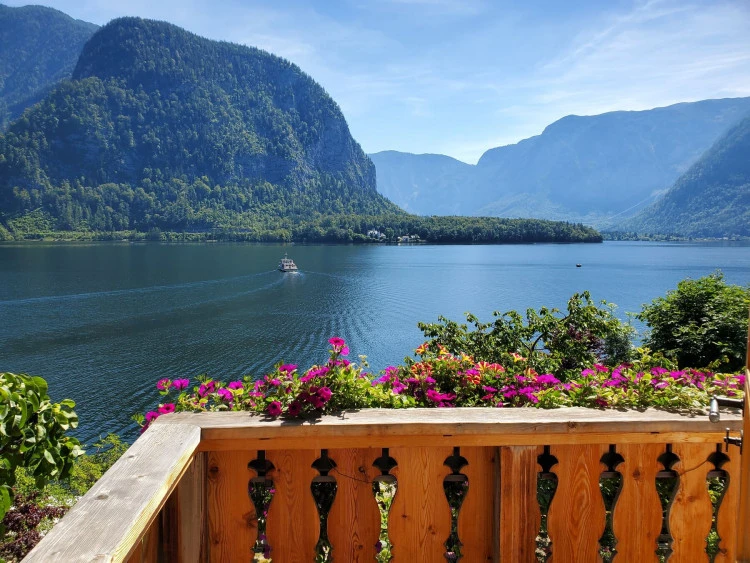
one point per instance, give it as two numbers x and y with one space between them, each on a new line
458 77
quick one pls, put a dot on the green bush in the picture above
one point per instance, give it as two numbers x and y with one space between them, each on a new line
551 340
702 323
32 434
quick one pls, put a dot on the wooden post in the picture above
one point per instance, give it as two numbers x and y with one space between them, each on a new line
743 516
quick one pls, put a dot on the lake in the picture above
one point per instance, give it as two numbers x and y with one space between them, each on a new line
102 322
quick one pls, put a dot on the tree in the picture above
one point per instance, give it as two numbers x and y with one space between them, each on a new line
702 322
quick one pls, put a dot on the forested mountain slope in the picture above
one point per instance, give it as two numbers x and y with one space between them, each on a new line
161 128
712 199
39 46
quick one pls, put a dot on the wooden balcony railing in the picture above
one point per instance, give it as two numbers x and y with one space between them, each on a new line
183 491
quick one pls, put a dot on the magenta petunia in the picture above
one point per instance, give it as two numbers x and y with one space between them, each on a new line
294 409
325 393
226 395
287 368
151 416
236 385
166 408
345 351
336 342
163 384
274 408
180 384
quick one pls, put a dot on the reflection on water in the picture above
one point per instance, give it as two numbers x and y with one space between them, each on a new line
103 322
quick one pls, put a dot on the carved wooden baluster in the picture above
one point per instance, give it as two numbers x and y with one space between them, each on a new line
384 487
717 482
323 488
667 484
546 486
455 486
261 491
610 485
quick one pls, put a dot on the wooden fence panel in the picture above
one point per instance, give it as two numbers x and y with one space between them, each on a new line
690 518
292 518
420 516
637 515
519 509
576 516
475 523
727 518
354 521
231 516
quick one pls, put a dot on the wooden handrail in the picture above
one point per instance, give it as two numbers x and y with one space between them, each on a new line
454 427
108 522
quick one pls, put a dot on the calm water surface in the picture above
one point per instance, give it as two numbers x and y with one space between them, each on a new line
102 322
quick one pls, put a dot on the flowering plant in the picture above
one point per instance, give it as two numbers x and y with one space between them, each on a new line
437 378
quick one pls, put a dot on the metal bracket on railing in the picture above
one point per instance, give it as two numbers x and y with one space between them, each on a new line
733 441
716 402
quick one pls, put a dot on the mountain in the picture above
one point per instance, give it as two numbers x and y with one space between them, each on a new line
712 199
40 47
414 179
160 128
593 169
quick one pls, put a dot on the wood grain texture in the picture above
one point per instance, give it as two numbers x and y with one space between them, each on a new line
231 516
637 515
292 518
743 513
109 521
420 516
454 427
476 517
690 518
354 521
519 510
576 517
727 518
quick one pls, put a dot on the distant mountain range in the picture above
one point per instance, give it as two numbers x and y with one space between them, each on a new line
39 47
711 199
599 170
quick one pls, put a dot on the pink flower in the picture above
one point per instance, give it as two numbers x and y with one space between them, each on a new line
236 385
345 351
166 408
163 384
336 342
287 368
294 409
151 416
180 384
206 388
325 394
226 395
274 408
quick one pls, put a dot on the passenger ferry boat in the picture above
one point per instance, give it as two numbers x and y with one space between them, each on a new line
286 264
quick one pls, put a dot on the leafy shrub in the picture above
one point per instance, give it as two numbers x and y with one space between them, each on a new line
552 341
32 434
35 510
703 322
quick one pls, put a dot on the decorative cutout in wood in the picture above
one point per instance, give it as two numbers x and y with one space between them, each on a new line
667 483
384 487
261 491
717 482
455 486
323 488
610 485
546 486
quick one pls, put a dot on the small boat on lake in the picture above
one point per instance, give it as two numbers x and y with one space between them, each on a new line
286 264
